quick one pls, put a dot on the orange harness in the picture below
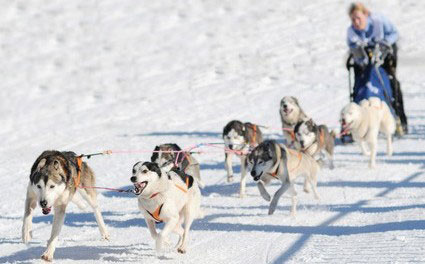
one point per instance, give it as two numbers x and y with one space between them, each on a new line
299 155
322 137
292 133
155 214
77 179
254 127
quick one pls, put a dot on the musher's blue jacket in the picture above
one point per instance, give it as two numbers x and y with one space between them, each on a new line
378 29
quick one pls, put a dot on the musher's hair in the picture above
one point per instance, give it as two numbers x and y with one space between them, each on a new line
357 6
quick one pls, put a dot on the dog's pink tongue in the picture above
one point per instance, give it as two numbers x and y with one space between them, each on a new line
46 211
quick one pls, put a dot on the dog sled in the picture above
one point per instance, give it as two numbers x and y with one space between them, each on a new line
372 80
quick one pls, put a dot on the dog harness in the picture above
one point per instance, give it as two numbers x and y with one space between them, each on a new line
77 179
274 174
299 155
157 212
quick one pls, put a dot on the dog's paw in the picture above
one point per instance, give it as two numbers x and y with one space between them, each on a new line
106 236
372 165
230 178
271 211
181 250
47 257
242 195
26 235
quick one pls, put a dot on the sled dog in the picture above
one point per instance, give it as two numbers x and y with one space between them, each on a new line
315 140
171 197
238 139
54 179
290 114
270 160
365 121
168 156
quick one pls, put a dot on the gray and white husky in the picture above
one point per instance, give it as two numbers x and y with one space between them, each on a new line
238 139
290 114
168 156
315 140
270 160
52 184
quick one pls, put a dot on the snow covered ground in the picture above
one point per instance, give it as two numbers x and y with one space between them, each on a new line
92 75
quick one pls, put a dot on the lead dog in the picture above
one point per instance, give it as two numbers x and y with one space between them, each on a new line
173 198
52 183
238 139
290 114
270 160
315 140
365 121
169 155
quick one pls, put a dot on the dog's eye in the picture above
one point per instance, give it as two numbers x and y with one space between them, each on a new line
145 171
38 186
52 186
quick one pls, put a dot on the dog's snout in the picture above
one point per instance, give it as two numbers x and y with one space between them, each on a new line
230 146
133 179
253 173
285 106
43 203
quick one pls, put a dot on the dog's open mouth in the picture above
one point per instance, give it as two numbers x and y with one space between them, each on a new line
287 111
46 210
139 187
345 126
256 178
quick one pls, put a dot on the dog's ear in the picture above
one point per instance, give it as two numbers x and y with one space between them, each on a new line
56 164
295 100
41 164
175 146
297 126
36 168
155 154
270 149
310 124
181 157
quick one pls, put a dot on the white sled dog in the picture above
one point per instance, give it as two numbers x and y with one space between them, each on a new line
290 114
173 198
269 161
239 138
53 180
365 121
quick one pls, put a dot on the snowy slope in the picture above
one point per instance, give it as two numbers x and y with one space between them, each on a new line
94 75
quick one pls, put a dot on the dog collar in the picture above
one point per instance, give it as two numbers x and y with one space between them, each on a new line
153 195
274 174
